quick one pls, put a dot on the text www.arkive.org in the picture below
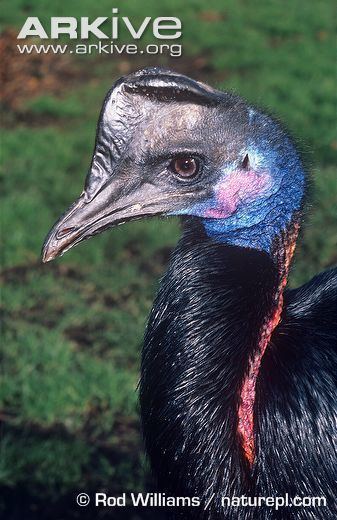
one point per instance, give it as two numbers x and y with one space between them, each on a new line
174 50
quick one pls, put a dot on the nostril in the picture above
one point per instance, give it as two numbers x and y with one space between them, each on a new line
65 231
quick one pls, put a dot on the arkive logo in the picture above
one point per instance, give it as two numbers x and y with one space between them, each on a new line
160 28
163 27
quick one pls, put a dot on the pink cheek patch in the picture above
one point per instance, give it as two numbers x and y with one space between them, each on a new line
238 187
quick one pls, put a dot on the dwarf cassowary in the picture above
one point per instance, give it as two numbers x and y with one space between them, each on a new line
238 374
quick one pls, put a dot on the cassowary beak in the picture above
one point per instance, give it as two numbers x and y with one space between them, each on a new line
119 200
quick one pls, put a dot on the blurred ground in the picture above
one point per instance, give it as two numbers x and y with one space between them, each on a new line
72 330
24 76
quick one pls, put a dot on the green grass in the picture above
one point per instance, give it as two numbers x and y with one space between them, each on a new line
73 330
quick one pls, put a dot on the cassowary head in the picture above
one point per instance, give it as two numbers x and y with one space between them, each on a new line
169 145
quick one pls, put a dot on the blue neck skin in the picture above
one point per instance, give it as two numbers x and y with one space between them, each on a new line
256 224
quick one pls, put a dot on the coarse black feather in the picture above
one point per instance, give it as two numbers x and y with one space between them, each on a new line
296 400
202 329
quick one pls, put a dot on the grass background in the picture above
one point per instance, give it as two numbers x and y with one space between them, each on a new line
72 330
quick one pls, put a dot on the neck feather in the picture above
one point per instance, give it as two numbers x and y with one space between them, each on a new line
211 323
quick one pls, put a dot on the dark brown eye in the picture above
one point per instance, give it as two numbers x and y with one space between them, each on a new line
185 166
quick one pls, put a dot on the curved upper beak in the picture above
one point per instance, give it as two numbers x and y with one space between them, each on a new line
117 201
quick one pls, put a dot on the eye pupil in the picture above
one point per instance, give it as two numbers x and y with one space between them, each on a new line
185 166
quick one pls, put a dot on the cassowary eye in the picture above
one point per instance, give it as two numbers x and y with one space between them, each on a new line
185 166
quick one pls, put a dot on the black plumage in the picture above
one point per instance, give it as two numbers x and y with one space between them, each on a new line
203 326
